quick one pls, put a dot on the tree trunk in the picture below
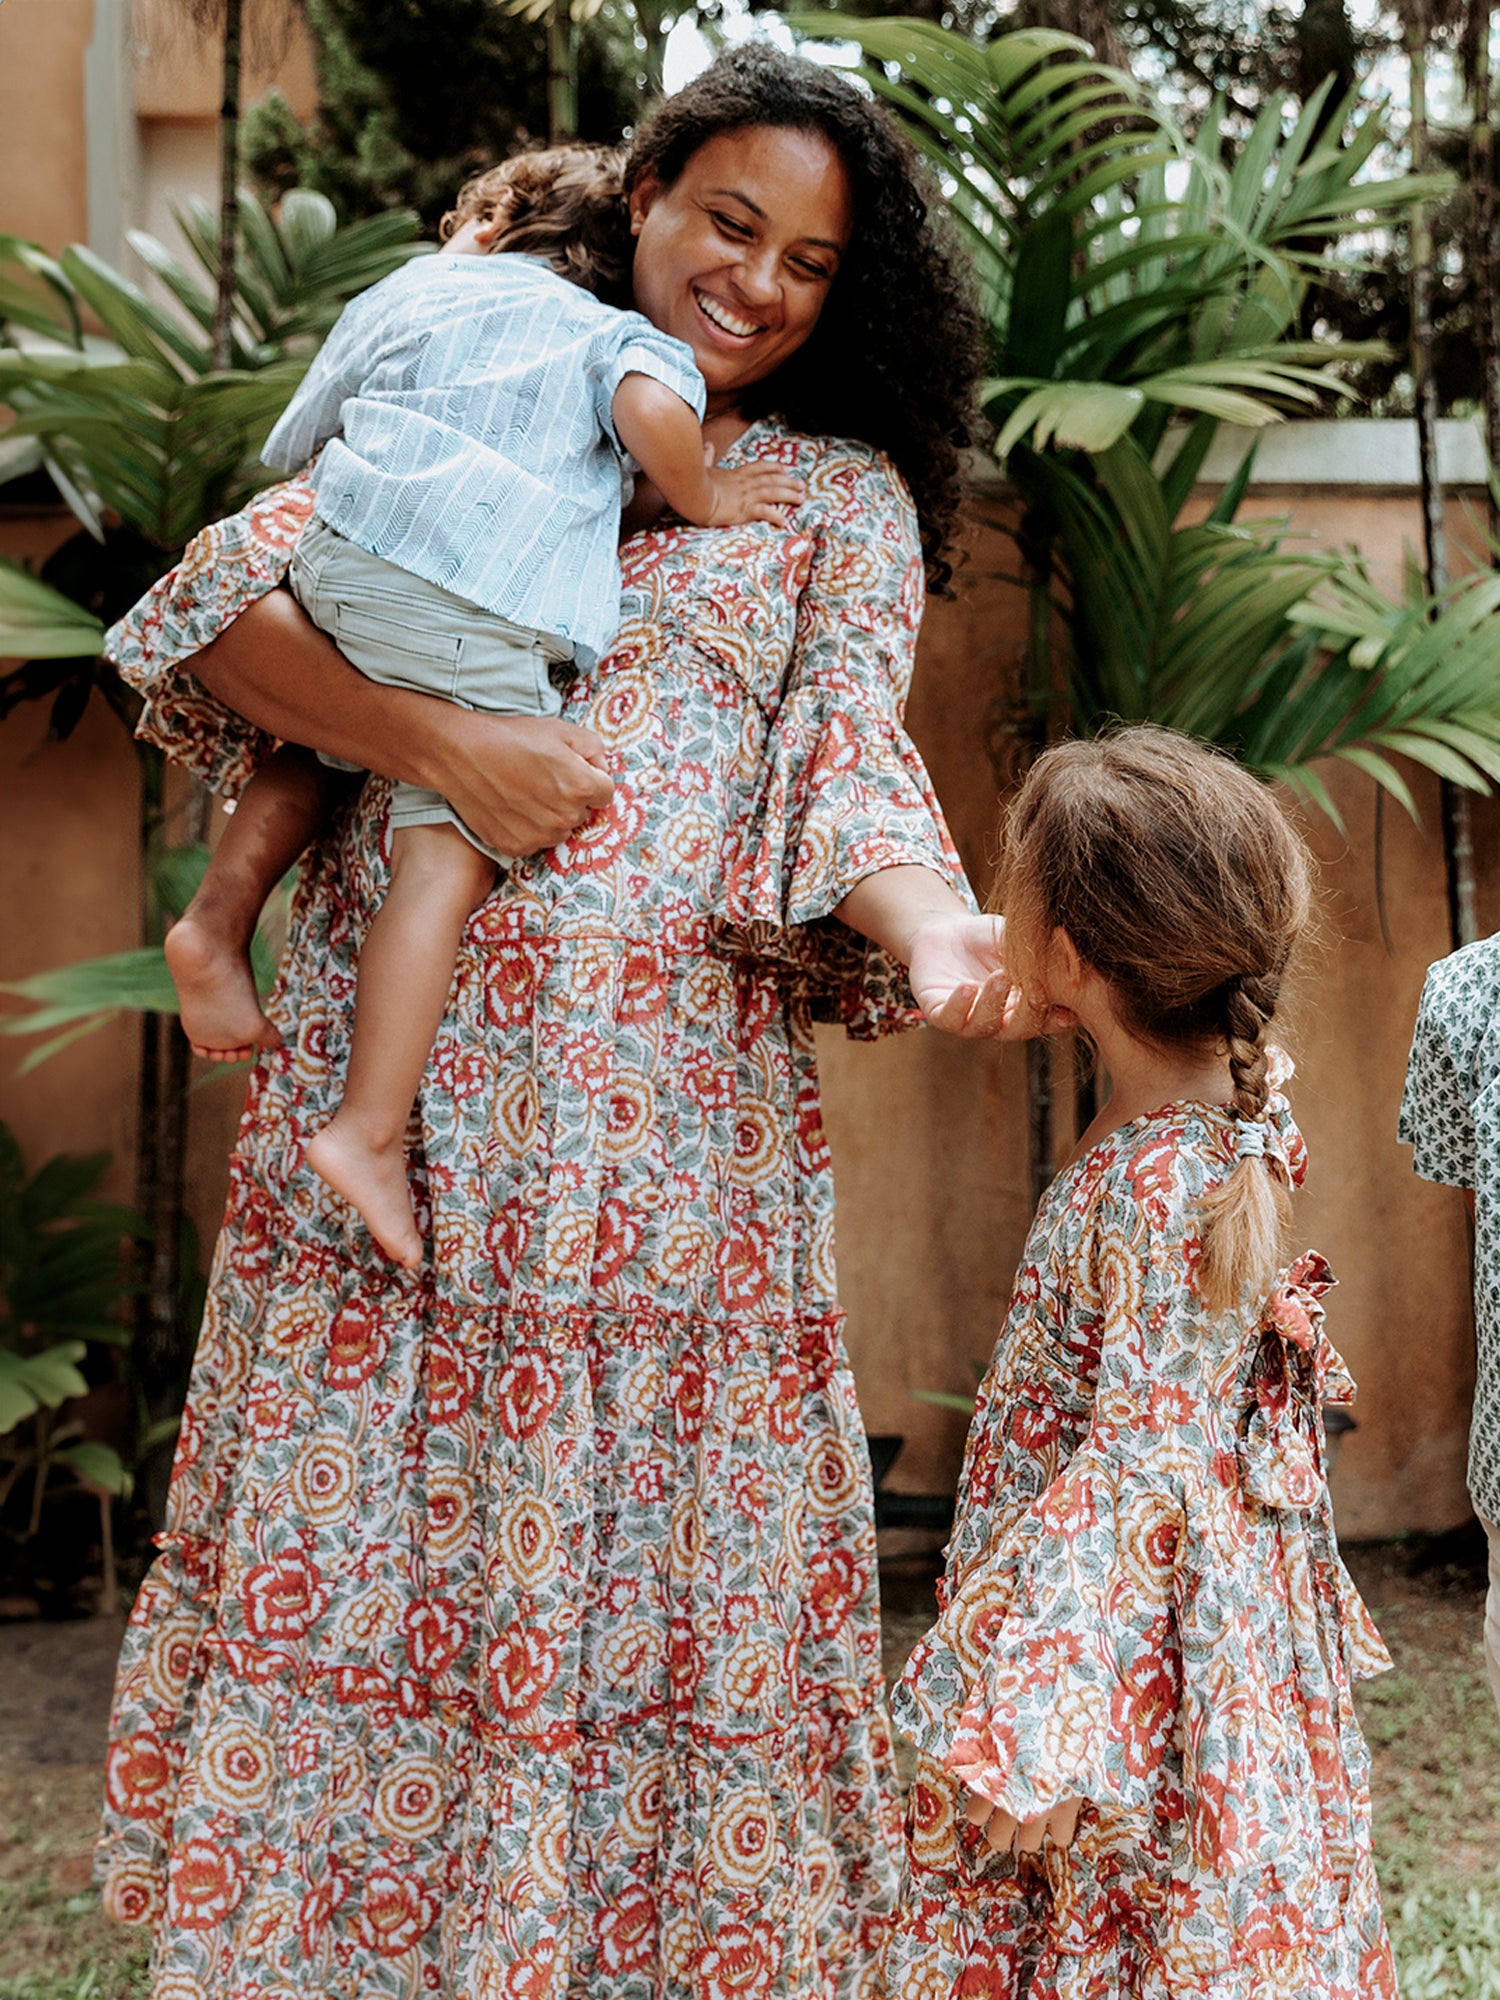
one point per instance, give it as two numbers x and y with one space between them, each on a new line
229 183
1458 843
562 73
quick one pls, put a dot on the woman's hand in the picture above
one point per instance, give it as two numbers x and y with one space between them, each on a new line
1003 1832
524 782
960 982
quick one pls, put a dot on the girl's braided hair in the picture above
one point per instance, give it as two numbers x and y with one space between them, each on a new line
897 352
1183 884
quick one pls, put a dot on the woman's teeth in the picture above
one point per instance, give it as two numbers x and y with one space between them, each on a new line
723 317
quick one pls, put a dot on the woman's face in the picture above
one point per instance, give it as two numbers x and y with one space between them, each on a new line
737 256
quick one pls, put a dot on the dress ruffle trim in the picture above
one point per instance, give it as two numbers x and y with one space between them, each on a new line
1057 1696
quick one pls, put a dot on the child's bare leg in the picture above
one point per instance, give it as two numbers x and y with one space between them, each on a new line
405 971
208 949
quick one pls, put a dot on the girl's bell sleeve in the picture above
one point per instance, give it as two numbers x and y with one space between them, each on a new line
223 571
844 793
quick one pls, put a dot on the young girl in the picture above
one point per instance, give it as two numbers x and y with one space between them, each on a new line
475 416
1139 1767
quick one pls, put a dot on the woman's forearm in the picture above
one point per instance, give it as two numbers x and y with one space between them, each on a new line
521 782
274 667
891 907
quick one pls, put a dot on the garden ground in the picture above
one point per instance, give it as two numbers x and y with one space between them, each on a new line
1432 1725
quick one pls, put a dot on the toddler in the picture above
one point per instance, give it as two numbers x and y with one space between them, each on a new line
477 415
1139 1767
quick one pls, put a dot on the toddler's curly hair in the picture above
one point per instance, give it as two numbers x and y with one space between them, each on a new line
565 204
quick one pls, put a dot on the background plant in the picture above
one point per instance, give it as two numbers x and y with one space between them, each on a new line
146 440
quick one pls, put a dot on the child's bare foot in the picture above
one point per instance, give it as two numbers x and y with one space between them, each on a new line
374 1181
217 1002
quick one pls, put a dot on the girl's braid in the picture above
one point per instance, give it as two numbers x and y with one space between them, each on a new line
1250 1003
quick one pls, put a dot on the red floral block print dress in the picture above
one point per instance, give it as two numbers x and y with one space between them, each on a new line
514 1630
1145 1607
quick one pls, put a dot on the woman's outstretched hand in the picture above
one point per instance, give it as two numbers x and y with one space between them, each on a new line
1002 1830
960 982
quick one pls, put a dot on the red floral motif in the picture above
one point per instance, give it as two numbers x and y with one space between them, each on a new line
452 1379
628 1932
436 1633
357 1346
528 1393
205 1882
740 1962
283 1599
395 1913
521 1668
138 1773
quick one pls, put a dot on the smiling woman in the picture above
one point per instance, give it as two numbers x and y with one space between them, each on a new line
539 1582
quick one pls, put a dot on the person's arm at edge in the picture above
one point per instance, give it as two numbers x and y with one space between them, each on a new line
521 782
957 973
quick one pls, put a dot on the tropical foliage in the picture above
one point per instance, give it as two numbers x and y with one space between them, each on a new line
62 1284
1142 291
146 440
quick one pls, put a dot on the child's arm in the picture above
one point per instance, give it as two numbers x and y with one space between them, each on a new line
661 433
315 413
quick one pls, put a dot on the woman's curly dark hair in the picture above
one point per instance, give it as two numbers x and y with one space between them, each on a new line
898 348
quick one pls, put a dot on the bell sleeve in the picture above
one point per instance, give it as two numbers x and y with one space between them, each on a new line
223 570
1127 1639
844 793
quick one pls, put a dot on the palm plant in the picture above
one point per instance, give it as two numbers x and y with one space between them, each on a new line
147 439
1142 290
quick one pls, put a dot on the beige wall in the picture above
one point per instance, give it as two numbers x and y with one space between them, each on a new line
43 163
167 81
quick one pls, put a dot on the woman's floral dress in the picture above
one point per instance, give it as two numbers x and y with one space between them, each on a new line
514 1630
1144 1607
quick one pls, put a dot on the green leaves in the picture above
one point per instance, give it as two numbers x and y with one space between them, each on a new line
39 623
61 1283
138 424
1134 281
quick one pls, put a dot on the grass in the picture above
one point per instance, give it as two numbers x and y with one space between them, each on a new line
55 1943
1432 1726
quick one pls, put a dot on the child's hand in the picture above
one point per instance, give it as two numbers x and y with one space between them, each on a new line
760 492
1003 1832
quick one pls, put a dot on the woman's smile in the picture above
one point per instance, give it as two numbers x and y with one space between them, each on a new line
737 255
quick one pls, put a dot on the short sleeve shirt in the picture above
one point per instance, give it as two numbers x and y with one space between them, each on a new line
465 409
1450 1117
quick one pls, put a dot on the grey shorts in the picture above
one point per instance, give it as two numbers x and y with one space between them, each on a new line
405 632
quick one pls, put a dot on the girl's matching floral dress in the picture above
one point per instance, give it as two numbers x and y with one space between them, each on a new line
1144 1607
514 1628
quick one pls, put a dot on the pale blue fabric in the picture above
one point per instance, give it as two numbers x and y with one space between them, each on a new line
464 407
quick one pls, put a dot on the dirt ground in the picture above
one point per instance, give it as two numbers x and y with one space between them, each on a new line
1432 1727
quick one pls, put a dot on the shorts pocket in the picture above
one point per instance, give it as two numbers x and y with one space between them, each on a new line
504 670
391 646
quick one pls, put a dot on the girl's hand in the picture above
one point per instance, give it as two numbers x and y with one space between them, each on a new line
1003 1832
959 978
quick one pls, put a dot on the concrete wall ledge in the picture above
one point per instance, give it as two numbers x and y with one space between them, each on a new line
1365 455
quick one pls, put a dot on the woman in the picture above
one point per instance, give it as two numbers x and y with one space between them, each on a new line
514 1631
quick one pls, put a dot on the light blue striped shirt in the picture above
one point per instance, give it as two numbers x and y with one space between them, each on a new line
464 406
